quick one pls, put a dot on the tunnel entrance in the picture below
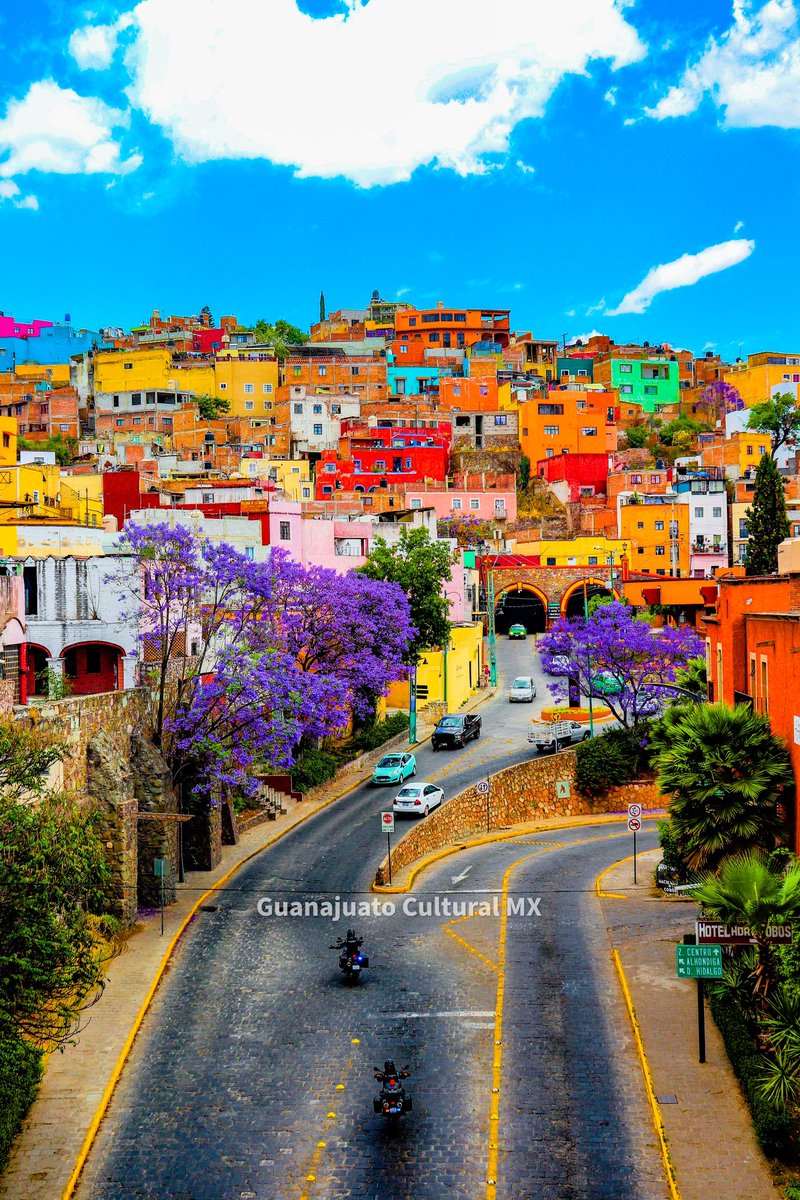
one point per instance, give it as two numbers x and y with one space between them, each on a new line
574 605
520 607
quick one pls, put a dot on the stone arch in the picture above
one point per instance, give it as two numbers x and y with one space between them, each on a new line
520 602
595 586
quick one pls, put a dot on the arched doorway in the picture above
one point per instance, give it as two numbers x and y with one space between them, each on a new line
520 604
572 602
37 670
92 667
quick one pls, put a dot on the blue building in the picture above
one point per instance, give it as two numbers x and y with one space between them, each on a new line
54 344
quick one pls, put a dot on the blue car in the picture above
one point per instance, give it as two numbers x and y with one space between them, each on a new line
395 768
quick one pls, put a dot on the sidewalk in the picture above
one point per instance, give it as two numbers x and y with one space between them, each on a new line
708 1128
76 1082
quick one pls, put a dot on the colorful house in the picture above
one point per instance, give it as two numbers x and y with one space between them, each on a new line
651 382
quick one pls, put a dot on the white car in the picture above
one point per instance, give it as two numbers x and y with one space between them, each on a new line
522 690
417 799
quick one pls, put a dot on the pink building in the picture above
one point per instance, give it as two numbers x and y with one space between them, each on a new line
490 505
9 327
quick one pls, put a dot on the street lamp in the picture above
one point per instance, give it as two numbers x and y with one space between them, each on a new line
610 556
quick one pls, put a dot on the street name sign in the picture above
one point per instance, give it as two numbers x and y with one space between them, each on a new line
387 822
713 933
699 962
634 824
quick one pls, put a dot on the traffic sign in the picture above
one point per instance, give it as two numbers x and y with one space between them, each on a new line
482 787
699 962
634 810
634 824
387 822
562 789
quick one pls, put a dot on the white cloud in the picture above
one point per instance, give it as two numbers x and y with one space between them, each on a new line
599 307
570 312
10 191
93 47
751 72
403 291
54 129
584 337
327 96
611 97
683 272
526 168
739 225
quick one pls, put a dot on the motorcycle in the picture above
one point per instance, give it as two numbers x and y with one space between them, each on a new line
351 961
392 1101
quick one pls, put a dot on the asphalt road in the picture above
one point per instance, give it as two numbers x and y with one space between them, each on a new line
251 1077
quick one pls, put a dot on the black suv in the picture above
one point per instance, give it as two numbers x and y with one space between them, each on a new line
456 730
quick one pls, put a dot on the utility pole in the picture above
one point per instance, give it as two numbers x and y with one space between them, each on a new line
586 618
492 630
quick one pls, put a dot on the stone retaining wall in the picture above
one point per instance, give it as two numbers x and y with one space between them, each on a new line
525 792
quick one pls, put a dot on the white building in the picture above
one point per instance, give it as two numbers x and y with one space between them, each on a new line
315 420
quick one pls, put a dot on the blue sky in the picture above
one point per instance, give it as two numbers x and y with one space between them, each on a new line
626 168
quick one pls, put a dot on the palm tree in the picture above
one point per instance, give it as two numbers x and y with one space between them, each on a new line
725 773
747 892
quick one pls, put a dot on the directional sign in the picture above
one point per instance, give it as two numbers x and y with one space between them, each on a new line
482 787
699 962
634 810
562 789
387 822
634 824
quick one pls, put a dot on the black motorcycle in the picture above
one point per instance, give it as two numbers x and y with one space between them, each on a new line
392 1101
351 961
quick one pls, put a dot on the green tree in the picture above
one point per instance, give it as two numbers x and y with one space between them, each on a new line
780 418
725 773
767 522
322 306
524 476
63 448
746 892
636 437
421 567
694 676
211 407
280 335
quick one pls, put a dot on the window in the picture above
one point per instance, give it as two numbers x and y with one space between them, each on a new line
660 551
380 464
322 370
298 409
762 450
655 479
551 431
650 390
625 368
500 419
127 366
592 560
749 451
474 505
550 562
408 464
120 421
249 405
484 390
659 525
286 531
330 468
640 549
136 398
636 479
249 388
698 512
551 410
626 389
640 524
716 512
417 503
399 387
549 452
404 349
589 431
63 428
327 490
306 493
412 320
297 370
137 420
92 660
336 410
115 401
433 337
266 388
317 430
317 409
456 505
743 532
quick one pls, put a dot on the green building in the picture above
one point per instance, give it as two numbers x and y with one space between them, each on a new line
651 382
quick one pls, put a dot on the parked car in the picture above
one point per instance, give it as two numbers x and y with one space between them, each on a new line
606 684
556 735
417 799
522 690
456 729
517 631
394 768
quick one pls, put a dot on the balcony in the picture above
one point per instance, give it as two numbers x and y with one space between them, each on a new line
709 548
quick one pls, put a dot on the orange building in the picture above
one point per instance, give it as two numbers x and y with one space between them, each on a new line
736 454
419 332
752 629
568 422
468 394
356 375
658 531
648 481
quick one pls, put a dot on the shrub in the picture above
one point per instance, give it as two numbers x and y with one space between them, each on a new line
669 847
312 768
792 1191
20 1072
375 735
773 1124
610 760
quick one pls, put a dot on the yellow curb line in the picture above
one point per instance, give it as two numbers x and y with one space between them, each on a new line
489 839
648 1079
110 1087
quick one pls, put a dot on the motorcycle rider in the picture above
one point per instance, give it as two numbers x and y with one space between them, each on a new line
349 947
390 1071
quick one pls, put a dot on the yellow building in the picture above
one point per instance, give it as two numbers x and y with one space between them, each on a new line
658 534
292 477
592 550
150 369
8 441
249 385
460 667
56 373
736 454
756 378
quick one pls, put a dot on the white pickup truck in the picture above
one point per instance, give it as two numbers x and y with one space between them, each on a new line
556 735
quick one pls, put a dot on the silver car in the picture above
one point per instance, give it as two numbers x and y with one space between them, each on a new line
522 690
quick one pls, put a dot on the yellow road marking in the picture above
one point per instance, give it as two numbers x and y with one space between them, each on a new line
313 1166
598 882
465 944
648 1080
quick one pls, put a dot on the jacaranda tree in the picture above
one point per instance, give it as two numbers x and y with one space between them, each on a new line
246 659
619 659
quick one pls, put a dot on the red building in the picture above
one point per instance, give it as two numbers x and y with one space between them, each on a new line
380 458
580 475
